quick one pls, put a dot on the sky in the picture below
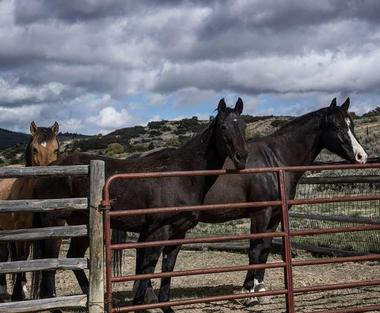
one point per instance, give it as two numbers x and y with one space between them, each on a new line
96 66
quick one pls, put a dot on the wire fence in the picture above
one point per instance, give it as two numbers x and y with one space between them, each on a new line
324 215
342 214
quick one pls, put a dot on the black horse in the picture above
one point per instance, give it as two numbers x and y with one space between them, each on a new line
296 143
208 150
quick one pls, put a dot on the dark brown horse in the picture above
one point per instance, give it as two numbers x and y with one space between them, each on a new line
42 149
296 143
208 150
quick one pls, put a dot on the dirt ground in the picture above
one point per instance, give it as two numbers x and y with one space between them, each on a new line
228 283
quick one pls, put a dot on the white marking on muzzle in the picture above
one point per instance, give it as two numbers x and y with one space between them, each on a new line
360 155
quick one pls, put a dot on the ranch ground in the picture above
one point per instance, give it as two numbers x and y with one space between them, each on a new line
227 283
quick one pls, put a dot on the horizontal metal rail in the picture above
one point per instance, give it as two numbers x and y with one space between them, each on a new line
37 171
190 208
42 265
347 285
31 206
44 233
106 199
365 179
322 231
240 205
198 300
337 218
371 257
175 242
201 271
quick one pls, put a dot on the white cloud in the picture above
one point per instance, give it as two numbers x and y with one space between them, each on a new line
110 118
14 92
82 60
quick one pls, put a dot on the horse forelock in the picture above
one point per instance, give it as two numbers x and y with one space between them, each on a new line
45 137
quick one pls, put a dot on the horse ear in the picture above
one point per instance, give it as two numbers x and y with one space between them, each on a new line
55 128
239 106
346 104
333 103
33 128
222 106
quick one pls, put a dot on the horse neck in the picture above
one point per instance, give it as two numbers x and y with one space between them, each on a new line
202 154
202 151
300 144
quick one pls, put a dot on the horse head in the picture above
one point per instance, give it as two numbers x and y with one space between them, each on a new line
230 133
339 135
43 148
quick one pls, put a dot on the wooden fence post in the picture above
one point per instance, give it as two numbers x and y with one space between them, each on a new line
96 266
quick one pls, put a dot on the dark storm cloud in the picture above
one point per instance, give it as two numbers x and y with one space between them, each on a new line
57 57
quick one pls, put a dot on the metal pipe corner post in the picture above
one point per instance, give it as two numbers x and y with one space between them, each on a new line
96 266
287 253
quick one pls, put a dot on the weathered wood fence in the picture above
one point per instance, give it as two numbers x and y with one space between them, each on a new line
94 301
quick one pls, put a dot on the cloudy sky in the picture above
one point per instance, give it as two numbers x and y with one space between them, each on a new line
95 66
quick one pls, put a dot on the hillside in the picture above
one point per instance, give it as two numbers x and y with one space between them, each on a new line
9 138
137 140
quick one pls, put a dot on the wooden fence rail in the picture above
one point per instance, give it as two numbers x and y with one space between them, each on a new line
94 301
18 206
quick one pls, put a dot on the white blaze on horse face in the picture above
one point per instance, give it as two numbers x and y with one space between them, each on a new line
360 155
44 144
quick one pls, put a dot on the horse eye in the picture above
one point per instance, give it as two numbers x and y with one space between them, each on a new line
56 151
35 151
224 127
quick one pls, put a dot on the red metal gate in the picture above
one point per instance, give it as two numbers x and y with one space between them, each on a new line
289 290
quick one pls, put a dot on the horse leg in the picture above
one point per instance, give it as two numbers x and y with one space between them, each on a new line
20 291
258 279
3 280
168 262
150 295
77 249
177 231
254 282
148 262
48 290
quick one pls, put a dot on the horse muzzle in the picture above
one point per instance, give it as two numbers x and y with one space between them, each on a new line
361 157
240 160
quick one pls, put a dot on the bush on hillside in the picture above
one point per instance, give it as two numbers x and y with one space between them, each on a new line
114 148
278 123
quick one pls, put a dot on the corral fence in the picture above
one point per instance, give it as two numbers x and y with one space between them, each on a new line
94 301
322 215
287 264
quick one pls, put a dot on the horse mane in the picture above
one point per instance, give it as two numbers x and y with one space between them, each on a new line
298 121
43 134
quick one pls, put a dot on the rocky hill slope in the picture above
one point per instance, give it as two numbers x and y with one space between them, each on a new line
137 140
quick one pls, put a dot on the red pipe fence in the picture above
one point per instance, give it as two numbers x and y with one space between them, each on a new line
287 264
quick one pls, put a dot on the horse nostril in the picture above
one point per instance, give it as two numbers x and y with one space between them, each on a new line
359 156
237 156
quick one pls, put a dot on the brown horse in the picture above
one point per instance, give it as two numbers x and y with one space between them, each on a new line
42 150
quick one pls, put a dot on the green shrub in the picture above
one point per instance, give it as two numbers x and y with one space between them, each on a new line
278 123
156 124
114 148
155 133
